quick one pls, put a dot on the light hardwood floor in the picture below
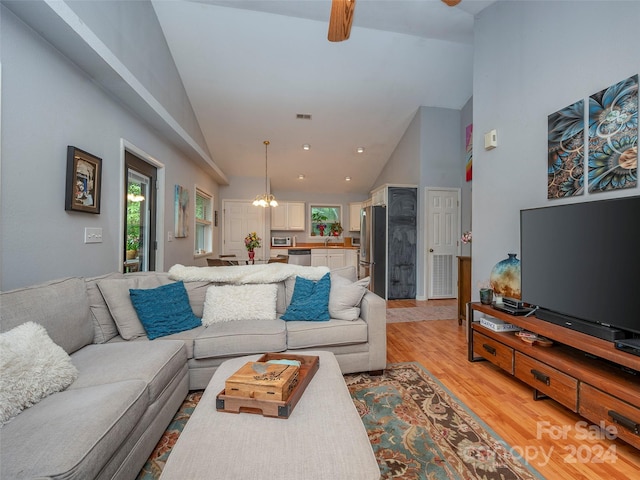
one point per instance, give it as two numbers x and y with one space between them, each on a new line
551 437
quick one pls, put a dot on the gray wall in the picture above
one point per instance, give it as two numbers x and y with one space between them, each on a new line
533 58
428 155
47 104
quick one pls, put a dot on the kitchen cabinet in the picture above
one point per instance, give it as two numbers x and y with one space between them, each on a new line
354 216
288 216
351 258
379 196
328 257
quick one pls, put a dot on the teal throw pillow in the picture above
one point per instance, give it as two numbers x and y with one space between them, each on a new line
164 310
310 300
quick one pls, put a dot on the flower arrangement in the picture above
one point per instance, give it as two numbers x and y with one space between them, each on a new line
252 241
133 242
466 237
336 228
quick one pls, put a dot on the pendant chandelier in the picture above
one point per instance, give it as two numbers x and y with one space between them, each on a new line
266 199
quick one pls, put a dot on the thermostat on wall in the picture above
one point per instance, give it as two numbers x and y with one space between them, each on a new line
491 140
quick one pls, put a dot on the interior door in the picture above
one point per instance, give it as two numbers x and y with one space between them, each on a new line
443 225
239 219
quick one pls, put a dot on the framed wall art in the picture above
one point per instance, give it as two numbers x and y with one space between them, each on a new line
613 137
565 158
84 181
181 209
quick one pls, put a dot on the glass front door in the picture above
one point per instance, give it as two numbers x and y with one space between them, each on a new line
139 228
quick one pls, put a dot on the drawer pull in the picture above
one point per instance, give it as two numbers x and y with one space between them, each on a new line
489 349
625 422
541 377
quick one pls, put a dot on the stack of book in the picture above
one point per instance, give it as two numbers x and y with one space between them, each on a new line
498 325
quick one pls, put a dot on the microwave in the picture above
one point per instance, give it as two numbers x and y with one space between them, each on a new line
280 241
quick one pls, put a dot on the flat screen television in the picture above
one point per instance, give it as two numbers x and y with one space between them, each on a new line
582 261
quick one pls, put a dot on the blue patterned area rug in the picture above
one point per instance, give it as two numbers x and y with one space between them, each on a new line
417 428
420 430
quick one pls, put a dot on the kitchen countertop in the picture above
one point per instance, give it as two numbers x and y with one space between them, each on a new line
307 246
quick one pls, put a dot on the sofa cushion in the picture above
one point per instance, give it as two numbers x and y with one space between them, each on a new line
197 292
345 297
320 334
71 434
104 327
60 306
156 364
240 302
164 310
116 294
310 300
242 337
32 366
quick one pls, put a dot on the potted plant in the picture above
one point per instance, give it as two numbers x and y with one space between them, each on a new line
319 218
133 243
336 229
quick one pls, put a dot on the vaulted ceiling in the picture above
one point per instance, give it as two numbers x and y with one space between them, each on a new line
251 67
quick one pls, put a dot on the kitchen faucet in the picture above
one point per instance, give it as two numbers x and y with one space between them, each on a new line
326 241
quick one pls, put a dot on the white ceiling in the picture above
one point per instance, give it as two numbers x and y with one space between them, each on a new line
250 66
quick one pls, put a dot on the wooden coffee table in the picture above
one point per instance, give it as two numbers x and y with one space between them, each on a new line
323 438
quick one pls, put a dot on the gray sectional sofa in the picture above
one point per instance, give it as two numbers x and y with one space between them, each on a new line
107 422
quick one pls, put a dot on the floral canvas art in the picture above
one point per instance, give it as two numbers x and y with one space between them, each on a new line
613 137
565 171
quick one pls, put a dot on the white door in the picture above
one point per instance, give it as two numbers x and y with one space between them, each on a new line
239 219
443 224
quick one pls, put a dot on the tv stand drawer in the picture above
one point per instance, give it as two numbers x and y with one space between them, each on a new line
497 353
619 416
546 379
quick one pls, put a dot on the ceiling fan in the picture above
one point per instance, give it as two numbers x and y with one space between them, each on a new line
342 17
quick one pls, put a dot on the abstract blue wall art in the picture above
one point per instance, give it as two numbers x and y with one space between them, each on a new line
613 137
565 173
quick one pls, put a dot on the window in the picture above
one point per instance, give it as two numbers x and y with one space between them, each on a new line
204 223
326 220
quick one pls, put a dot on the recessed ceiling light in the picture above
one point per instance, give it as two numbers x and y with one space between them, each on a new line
306 146
301 177
347 179
360 149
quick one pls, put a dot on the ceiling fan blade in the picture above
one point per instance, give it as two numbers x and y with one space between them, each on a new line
341 19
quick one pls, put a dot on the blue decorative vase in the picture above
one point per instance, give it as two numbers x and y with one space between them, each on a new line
505 277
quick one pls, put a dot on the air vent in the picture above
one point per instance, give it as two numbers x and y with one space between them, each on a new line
303 116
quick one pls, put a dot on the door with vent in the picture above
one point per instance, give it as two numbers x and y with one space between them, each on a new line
443 218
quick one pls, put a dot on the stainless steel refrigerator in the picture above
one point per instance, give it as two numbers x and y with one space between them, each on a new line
373 248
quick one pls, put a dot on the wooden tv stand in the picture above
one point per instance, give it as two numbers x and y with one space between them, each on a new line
584 373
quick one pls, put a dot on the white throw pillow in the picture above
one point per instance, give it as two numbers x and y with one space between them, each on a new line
32 367
226 303
345 297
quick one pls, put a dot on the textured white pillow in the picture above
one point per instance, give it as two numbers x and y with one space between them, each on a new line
32 367
226 303
345 297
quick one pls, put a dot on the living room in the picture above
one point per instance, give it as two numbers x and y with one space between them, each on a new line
530 59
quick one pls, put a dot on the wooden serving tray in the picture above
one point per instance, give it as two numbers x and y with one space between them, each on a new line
272 408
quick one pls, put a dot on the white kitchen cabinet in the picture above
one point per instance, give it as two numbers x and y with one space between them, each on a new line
354 216
288 216
379 196
351 258
319 257
328 257
335 258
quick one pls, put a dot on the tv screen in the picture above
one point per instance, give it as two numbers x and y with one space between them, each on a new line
583 260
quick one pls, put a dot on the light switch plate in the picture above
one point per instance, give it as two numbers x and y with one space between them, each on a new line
92 235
